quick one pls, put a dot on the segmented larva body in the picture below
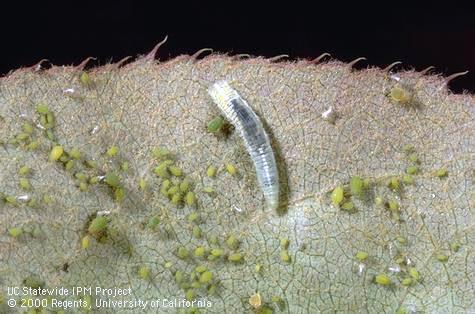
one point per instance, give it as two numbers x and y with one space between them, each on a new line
250 127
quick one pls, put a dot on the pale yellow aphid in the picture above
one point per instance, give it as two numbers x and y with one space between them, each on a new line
400 95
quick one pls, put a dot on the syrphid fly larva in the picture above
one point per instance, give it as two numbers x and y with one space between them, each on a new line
239 113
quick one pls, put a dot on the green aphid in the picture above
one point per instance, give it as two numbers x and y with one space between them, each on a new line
378 201
231 169
401 240
168 265
32 202
83 186
284 256
124 166
87 301
400 260
75 153
179 277
153 222
337 195
401 310
64 158
182 252
197 233
412 170
362 256
212 289
85 79
172 190
348 206
406 281
357 186
185 285
284 243
196 285
162 169
98 225
112 179
442 257
408 148
22 137
48 199
279 301
396 216
408 179
119 194
414 273
164 191
211 171
15 232
176 171
56 153
42 109
112 151
265 309
94 180
10 199
85 241
200 251
232 242
144 272
193 217
43 121
27 128
209 190
81 176
24 170
161 153
50 120
33 145
215 124
217 252
190 294
142 184
33 282
258 268
441 173
394 184
413 158
25 183
190 198
176 199
393 205
455 246
382 279
90 164
235 257
185 186
200 269
69 165
50 135
213 239
206 277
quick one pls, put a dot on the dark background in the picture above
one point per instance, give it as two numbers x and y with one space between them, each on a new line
442 36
